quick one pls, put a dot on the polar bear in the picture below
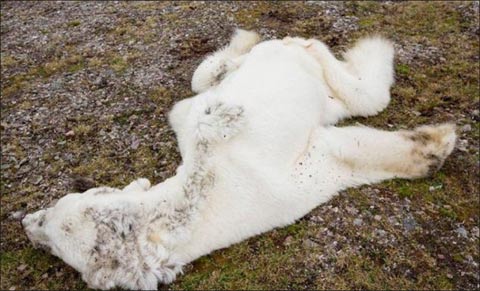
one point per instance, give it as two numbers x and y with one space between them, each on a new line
259 149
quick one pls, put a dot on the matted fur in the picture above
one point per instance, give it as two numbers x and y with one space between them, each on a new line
259 150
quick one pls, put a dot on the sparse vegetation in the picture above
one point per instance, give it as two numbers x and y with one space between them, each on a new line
91 97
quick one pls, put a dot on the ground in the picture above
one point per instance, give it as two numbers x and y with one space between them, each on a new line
85 91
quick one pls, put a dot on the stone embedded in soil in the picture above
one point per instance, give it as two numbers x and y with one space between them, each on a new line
17 215
357 221
22 267
475 232
461 231
308 243
466 128
288 241
409 223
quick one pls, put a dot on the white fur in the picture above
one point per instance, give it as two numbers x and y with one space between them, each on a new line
259 151
216 66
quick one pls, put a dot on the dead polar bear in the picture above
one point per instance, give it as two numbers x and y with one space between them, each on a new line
259 151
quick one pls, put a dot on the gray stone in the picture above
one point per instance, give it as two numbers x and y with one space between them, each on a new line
409 223
462 232
17 215
357 221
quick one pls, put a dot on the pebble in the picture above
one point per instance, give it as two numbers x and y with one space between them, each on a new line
466 128
416 113
17 215
22 267
308 243
288 241
135 144
462 145
357 221
461 231
381 232
70 133
475 232
38 180
377 217
409 223
433 188
351 210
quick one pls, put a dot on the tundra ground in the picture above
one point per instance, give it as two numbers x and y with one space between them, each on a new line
85 91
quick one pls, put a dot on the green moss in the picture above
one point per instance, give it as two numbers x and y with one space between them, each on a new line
403 69
8 61
405 191
367 22
118 64
73 23
449 213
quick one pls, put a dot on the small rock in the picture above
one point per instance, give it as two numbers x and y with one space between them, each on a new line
309 244
476 112
461 231
12 288
462 145
357 221
316 219
416 113
100 82
440 256
409 223
466 128
377 217
381 232
351 210
393 220
17 215
288 241
433 188
70 133
135 144
22 267
449 276
475 232
38 180
45 276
